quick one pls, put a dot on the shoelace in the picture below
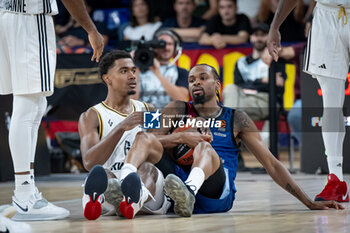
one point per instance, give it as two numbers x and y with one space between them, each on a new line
343 15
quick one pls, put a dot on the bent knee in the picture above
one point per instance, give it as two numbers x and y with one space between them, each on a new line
204 145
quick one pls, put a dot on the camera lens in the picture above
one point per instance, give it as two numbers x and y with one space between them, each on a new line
144 57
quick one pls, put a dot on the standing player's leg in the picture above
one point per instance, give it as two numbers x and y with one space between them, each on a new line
32 67
327 59
333 133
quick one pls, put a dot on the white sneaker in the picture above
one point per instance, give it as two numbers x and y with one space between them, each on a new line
6 225
37 208
94 187
135 195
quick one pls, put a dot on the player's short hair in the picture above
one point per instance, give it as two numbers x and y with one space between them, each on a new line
213 70
109 58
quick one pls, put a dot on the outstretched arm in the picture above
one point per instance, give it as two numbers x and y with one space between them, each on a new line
274 37
252 140
78 10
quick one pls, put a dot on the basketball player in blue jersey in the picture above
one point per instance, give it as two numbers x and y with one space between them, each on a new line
108 131
27 68
327 60
208 185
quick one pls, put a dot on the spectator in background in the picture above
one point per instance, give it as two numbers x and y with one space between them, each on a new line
292 29
163 81
72 34
206 9
250 89
227 27
142 21
187 26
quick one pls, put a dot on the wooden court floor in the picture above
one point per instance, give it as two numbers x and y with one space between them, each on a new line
260 206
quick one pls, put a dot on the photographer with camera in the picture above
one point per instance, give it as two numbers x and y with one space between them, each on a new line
160 80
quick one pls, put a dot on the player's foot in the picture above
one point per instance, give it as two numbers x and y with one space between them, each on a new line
181 194
113 194
94 187
135 194
335 190
37 208
6 225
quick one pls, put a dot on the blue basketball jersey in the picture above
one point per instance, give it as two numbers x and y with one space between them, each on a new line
225 146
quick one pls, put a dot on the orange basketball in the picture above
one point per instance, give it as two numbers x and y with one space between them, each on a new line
182 153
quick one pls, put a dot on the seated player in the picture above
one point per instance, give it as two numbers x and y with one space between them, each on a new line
107 131
207 185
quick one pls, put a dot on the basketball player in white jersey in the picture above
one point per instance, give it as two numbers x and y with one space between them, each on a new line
108 131
327 59
27 68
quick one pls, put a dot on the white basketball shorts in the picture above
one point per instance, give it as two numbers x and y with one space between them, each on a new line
327 52
27 54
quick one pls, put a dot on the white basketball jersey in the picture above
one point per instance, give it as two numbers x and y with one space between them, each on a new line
108 119
30 7
344 3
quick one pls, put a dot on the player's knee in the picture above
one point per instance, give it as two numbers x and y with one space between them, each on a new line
206 149
149 140
29 107
144 137
203 146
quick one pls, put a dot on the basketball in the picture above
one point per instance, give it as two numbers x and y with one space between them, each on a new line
182 153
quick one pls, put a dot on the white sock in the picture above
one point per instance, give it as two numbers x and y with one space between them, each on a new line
195 179
23 187
335 165
126 170
333 126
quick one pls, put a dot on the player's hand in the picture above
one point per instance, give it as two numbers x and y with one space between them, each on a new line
204 130
97 43
325 205
133 120
274 43
192 139
266 57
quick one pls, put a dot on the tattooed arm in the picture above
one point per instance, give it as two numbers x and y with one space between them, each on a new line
249 134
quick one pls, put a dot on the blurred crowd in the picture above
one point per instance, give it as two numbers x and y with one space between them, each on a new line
209 22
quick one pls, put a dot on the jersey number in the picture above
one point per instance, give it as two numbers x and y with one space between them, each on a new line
127 147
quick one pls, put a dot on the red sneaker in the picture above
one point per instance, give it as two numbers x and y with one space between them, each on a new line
335 190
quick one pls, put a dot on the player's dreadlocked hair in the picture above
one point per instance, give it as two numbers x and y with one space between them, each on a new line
216 76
